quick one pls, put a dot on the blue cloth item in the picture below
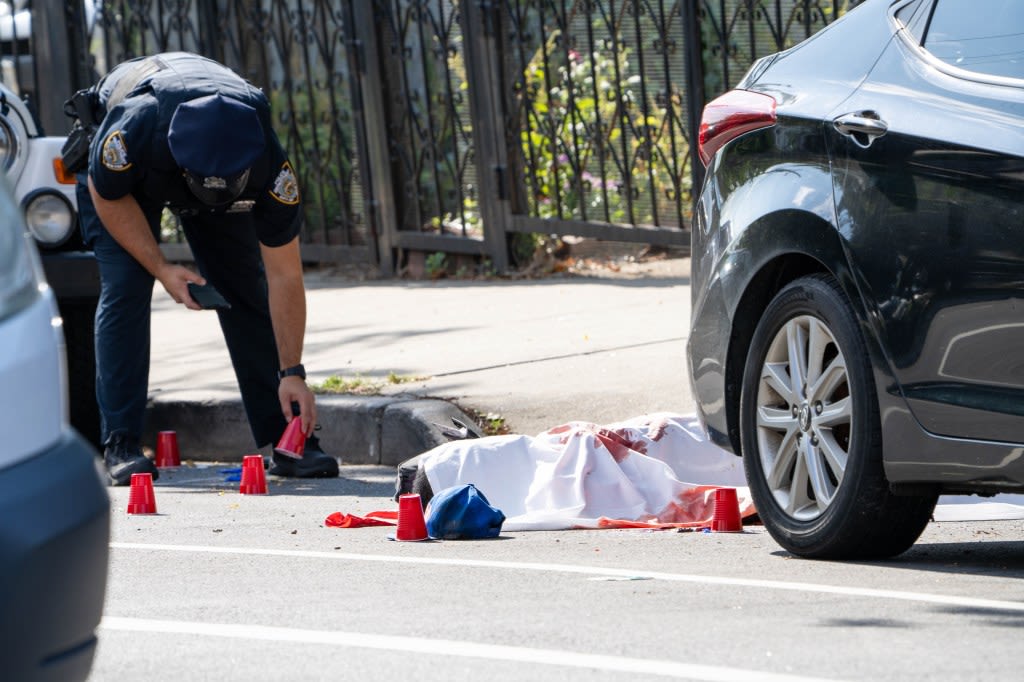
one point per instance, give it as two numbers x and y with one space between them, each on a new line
215 136
462 513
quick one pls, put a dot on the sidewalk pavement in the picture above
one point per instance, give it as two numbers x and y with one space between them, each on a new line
534 353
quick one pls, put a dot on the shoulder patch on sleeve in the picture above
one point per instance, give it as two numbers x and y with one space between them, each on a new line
286 187
115 152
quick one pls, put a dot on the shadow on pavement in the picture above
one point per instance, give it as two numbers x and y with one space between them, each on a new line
362 481
997 558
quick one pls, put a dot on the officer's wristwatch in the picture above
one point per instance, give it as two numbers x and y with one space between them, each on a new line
295 371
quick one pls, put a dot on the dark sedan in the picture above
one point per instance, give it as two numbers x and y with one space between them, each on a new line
858 273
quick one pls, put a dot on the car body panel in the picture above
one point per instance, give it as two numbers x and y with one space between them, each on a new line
751 200
33 353
938 199
764 217
785 77
54 507
794 180
54 535
70 267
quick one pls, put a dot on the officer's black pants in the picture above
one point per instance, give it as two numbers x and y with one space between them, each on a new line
227 253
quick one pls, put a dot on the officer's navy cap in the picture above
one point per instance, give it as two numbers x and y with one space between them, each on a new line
215 139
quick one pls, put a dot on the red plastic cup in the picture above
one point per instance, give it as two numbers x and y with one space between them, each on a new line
141 499
293 440
412 526
254 479
726 518
167 453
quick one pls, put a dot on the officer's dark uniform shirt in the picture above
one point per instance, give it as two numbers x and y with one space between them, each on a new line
130 153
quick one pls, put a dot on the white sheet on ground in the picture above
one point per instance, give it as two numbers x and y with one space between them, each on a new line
658 469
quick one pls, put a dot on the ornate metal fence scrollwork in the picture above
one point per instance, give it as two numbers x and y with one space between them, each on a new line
298 52
600 110
735 33
429 125
444 125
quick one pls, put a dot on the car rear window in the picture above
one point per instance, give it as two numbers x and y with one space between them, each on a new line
985 37
914 16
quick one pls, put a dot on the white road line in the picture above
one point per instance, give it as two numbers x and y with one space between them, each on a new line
448 647
924 597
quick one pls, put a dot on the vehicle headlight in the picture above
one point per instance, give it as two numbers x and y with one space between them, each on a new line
50 218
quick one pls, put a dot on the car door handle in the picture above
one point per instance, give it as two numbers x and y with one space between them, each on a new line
862 127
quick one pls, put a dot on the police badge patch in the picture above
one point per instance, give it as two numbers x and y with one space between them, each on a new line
286 187
115 153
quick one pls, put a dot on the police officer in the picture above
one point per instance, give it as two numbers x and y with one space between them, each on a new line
183 132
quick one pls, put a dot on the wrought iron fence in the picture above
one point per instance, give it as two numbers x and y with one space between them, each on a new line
297 52
430 127
600 112
736 33
607 98
447 125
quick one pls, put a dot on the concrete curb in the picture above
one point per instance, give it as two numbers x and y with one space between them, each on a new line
383 430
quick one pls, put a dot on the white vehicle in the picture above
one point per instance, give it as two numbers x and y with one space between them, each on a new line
54 508
46 194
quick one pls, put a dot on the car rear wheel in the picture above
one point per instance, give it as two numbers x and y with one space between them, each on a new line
811 436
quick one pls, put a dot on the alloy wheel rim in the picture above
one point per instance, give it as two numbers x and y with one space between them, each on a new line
804 417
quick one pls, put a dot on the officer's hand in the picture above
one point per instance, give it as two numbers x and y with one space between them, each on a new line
175 280
295 389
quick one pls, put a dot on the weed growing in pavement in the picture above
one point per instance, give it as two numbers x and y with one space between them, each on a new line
490 423
359 385
494 424
396 379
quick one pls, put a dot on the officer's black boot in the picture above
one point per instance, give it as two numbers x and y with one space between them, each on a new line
123 457
315 463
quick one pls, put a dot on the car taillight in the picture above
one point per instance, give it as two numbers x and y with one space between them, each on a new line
729 116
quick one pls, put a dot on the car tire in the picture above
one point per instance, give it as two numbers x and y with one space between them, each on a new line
79 337
811 434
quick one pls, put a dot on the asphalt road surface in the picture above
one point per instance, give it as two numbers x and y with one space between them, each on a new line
222 586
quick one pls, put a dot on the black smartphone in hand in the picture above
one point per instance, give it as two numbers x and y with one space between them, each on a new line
207 297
